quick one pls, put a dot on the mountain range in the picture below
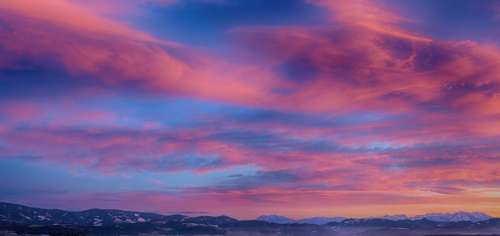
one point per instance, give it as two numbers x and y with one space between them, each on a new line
311 220
23 220
436 217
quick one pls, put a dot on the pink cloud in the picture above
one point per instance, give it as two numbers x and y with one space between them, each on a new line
369 14
20 111
114 55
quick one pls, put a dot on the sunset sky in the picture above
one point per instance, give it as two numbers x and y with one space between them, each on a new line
249 107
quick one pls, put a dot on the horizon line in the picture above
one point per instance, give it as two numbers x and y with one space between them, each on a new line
194 214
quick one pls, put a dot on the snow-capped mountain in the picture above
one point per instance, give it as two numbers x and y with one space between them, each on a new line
435 217
94 217
395 217
20 214
14 217
22 220
311 220
454 217
320 220
276 219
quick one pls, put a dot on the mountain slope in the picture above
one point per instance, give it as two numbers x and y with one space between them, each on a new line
276 219
20 214
434 217
320 220
454 217
21 220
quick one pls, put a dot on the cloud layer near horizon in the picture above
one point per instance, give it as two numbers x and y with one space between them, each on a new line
358 110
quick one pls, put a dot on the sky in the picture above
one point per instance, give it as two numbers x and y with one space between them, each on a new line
247 107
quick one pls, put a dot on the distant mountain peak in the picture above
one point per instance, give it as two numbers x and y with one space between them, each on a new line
19 220
276 219
436 217
321 220
317 220
21 214
395 217
454 217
